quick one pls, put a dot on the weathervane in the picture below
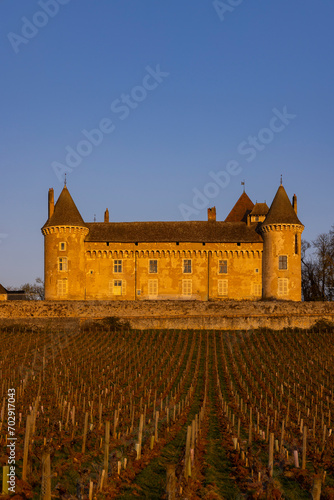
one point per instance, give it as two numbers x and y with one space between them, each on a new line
281 179
243 184
65 180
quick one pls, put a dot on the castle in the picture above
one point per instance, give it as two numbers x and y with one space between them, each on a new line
253 254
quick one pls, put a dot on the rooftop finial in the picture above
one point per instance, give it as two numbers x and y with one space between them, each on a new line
243 184
65 180
281 180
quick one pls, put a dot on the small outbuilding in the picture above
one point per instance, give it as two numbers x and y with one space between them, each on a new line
11 294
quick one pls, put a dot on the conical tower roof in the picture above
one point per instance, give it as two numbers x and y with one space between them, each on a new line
281 211
65 212
241 209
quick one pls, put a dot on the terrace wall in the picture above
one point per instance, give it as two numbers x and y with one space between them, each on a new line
224 315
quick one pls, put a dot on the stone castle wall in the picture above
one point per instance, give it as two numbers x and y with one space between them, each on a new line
226 315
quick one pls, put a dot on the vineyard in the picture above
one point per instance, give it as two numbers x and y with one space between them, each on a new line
108 412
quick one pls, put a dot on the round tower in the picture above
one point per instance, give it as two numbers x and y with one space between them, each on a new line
281 263
64 255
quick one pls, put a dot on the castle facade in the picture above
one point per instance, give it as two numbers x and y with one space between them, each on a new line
254 253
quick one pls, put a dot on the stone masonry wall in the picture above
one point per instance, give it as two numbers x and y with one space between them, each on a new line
224 315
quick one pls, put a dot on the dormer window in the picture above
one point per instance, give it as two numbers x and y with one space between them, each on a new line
259 212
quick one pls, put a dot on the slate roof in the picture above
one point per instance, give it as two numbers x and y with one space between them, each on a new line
184 231
65 212
233 230
260 209
241 209
3 291
281 210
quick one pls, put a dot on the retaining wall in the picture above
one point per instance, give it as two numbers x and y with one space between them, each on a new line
225 315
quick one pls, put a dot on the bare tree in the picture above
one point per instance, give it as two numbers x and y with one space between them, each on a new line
318 269
34 291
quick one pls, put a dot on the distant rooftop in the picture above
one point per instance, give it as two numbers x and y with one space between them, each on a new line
241 209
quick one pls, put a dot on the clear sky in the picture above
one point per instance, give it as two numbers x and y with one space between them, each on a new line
190 98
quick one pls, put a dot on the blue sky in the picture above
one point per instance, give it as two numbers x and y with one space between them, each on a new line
180 89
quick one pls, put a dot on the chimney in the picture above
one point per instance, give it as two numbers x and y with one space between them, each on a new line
294 202
248 220
106 216
212 214
51 205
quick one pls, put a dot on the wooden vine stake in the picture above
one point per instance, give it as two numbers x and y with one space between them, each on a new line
187 462
140 436
271 454
102 479
296 459
324 437
282 437
156 426
171 482
316 489
250 426
115 424
26 448
106 452
90 490
46 477
304 447
85 433
5 472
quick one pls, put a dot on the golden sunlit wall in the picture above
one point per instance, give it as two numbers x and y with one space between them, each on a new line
79 270
282 261
64 262
167 270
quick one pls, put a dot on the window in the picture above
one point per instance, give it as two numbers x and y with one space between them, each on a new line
282 286
187 265
116 287
153 287
282 262
153 266
256 270
62 246
117 266
187 287
223 287
222 267
62 264
257 289
296 244
61 287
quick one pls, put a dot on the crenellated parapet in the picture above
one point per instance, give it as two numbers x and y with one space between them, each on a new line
64 229
295 228
160 254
